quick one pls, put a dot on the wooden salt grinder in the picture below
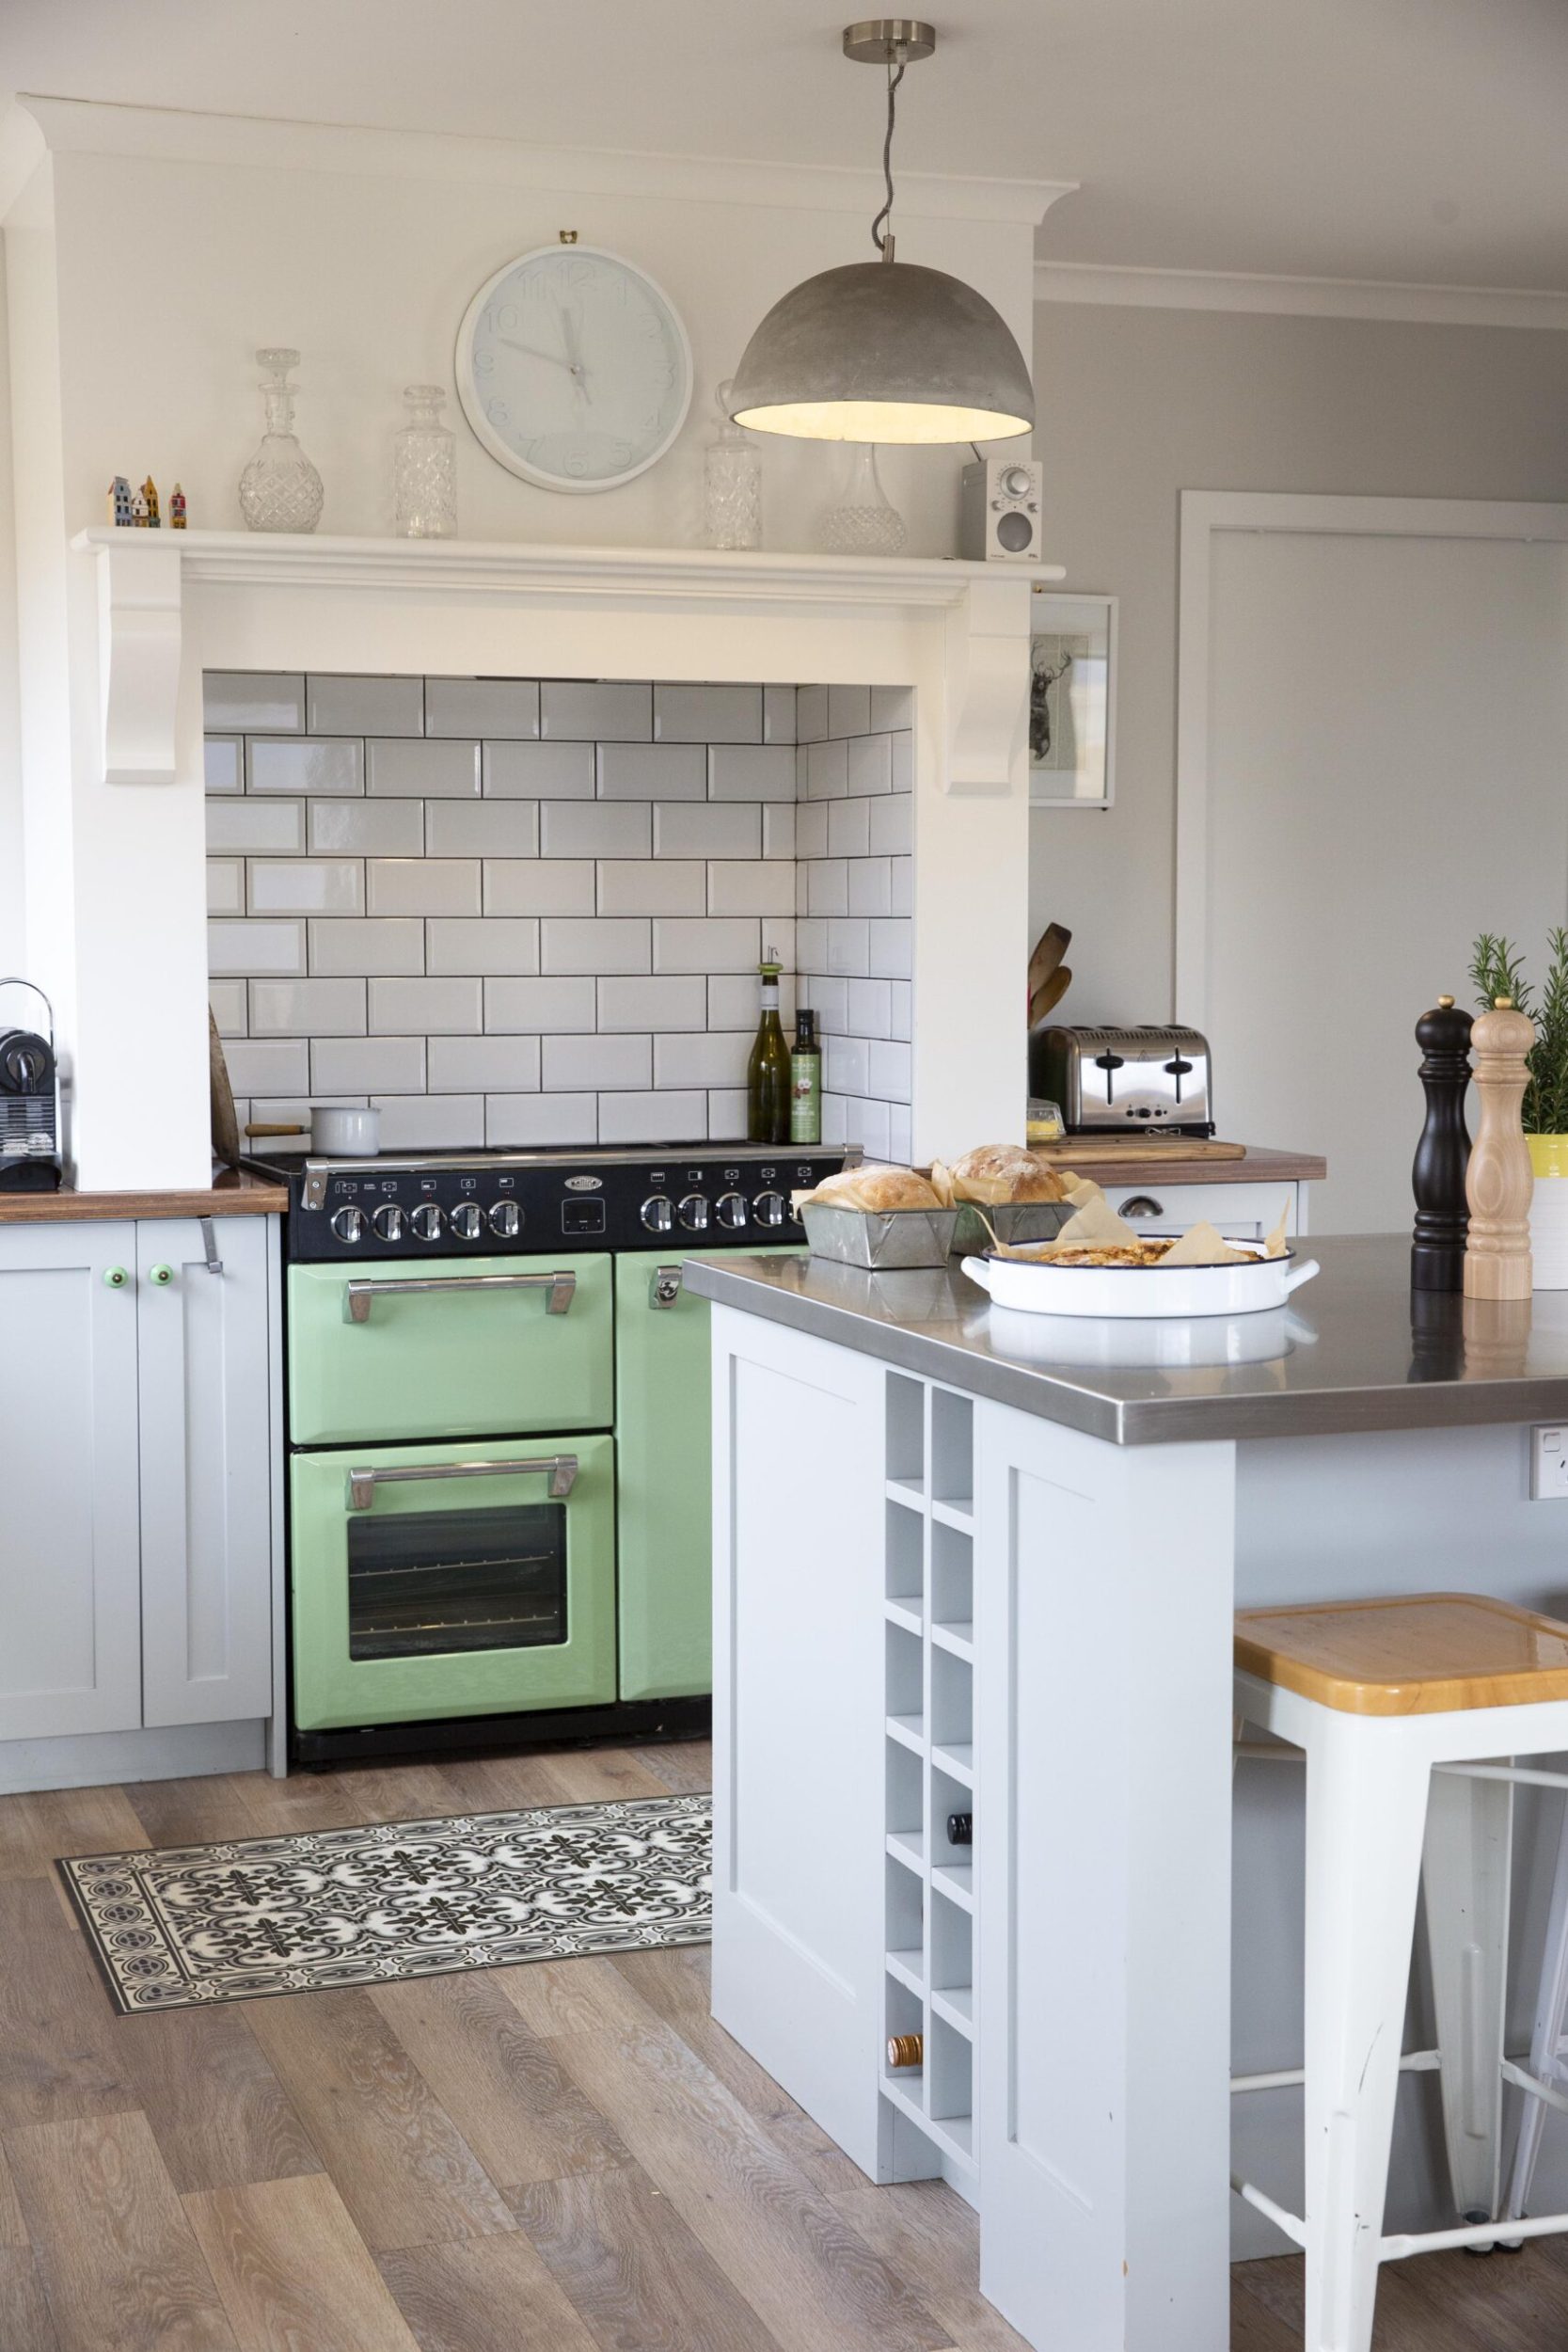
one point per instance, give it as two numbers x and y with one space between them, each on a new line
1499 1181
1442 1155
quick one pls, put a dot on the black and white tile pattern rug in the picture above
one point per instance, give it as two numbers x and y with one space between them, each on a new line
181 1925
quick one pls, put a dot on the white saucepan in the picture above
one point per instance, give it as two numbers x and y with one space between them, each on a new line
1040 1288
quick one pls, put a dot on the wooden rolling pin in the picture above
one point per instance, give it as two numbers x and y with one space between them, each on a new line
1499 1181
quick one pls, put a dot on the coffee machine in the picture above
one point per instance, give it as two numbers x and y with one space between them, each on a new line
29 1102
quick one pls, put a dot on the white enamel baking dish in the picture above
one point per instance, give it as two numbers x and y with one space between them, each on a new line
1037 1287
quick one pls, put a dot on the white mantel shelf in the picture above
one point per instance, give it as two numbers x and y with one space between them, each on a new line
142 578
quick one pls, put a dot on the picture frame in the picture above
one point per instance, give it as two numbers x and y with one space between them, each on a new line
1072 700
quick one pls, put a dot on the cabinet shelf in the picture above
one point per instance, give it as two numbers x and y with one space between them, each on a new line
909 1730
956 1511
909 1967
957 1762
907 1846
958 1638
907 1613
956 2005
908 1491
956 1881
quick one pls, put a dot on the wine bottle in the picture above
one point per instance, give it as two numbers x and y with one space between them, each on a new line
960 1829
805 1081
905 2050
768 1071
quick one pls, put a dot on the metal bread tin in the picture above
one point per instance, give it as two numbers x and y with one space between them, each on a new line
1012 1221
880 1240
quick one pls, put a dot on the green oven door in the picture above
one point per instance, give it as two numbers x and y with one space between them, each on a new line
434 1580
452 1347
664 1476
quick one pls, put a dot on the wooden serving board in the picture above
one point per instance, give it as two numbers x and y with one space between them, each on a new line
1093 1151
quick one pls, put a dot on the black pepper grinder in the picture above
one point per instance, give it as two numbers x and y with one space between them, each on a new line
1443 1153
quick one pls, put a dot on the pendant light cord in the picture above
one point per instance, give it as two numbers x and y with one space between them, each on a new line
884 243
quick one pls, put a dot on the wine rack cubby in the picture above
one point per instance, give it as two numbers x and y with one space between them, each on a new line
929 1983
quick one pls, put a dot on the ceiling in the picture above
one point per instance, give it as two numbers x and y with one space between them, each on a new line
1413 140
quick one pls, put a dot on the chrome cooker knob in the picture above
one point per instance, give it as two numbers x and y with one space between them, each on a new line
693 1213
504 1220
658 1214
468 1220
769 1209
732 1210
349 1224
428 1220
390 1222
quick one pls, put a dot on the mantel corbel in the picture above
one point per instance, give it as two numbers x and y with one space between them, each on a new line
139 656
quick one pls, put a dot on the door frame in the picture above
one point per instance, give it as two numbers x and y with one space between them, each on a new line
1203 515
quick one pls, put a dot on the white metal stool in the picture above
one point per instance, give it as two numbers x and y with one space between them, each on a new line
1404 1708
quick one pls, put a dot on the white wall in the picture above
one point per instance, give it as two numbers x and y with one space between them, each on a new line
13 943
1136 405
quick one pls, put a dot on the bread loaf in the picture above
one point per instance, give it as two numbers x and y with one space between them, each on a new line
994 1173
872 1186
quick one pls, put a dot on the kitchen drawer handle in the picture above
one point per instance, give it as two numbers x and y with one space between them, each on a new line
1143 1204
664 1287
563 1469
561 1286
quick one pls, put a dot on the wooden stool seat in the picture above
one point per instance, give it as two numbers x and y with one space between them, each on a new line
1420 1654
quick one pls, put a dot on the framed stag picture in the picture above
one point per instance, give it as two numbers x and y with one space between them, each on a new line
1072 687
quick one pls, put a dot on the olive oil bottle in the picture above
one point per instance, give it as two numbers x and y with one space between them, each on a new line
805 1081
768 1071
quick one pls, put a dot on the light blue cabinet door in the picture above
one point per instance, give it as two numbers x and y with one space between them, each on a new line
69 1610
206 1442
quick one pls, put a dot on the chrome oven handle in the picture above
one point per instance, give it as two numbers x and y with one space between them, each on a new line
561 1286
664 1286
1143 1204
562 1467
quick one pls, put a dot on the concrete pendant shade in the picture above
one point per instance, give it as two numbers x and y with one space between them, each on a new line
884 351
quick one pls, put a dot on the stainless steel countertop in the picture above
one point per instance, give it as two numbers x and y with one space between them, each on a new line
1356 1349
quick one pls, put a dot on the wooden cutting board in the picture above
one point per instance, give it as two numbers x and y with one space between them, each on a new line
1090 1150
226 1135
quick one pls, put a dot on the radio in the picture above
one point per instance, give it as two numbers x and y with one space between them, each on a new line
1000 517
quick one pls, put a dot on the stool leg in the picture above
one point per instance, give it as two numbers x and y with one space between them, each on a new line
1365 1815
1551 2013
1467 1873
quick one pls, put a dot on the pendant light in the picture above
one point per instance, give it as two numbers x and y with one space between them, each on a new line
884 350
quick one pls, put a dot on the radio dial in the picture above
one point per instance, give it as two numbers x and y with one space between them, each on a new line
428 1220
693 1213
732 1210
658 1214
349 1224
504 1220
468 1220
390 1222
769 1207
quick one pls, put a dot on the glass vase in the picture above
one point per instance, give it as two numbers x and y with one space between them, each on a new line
279 489
424 467
732 484
866 521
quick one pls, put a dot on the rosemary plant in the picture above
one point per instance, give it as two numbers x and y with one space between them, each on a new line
1497 968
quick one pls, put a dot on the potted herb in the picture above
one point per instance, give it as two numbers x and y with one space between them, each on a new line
1497 968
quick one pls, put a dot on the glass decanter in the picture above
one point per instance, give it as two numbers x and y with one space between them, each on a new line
732 483
279 489
424 467
864 522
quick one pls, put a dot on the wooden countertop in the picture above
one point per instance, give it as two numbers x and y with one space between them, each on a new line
1128 1165
233 1192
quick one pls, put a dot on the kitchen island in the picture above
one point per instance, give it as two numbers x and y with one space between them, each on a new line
967 1562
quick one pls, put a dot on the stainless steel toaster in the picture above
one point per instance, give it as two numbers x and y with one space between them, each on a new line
1145 1080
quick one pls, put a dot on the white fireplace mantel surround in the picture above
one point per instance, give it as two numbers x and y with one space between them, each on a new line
118 922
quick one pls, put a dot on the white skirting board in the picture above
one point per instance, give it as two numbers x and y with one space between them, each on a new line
177 1752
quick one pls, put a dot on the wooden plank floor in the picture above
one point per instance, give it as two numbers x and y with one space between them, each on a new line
564 2157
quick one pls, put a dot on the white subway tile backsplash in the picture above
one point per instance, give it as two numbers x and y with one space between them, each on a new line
726 1114
736 886
482 705
778 828
554 885
811 714
811 945
666 1001
889 1068
811 828
832 1119
423 885
827 887
900 1008
871 764
705 946
246 948
516 1122
278 826
892 826
849 710
778 714
223 763
431 1123
706 1058
364 828
868 1010
652 772
849 949
399 769
481 828
707 714
845 1065
828 1000
226 885
899 1123
367 1065
903 762
364 705
750 771
445 1008
574 1064
328 885
500 946
652 886
888 944
596 829
271 1066
870 886
848 828
735 1002
252 702
652 1117
485 1065
699 828
826 772
595 710
341 947
335 764
867 1123
612 944
544 771
308 1007
901 879
230 1010
537 1004
892 707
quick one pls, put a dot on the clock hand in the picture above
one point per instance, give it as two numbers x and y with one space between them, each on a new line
550 358
574 351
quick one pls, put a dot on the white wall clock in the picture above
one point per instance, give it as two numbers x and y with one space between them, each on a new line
574 367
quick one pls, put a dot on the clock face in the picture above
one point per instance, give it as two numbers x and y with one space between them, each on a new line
574 367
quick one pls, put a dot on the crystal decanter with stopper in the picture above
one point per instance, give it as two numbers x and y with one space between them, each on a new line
864 522
279 489
424 467
732 484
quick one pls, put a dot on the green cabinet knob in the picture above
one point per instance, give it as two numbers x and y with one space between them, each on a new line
115 1276
162 1274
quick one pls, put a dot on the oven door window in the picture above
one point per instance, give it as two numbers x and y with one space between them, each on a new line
422 1583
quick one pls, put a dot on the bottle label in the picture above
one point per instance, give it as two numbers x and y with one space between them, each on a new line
805 1098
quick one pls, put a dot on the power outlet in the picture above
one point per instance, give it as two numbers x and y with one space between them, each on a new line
1548 1464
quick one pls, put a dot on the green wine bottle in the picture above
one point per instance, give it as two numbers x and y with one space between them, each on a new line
768 1071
